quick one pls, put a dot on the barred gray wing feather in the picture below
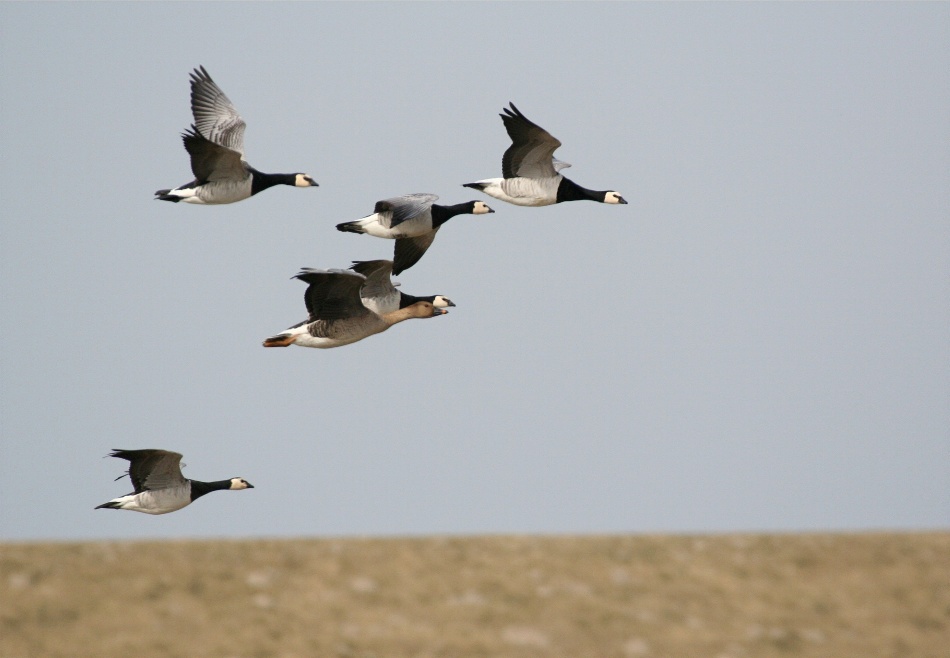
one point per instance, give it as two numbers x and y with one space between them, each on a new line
377 273
531 154
215 115
405 207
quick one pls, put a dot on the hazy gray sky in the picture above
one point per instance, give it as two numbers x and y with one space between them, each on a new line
760 340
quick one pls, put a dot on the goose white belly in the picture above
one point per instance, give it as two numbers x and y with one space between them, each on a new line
339 333
161 501
523 191
322 342
215 192
225 191
411 228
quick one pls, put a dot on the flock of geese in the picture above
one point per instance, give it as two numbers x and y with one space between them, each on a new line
343 306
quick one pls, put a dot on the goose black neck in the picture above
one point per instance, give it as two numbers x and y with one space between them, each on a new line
261 181
199 488
408 300
442 214
568 190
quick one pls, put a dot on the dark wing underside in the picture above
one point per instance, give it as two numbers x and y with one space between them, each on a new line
333 294
152 469
408 251
531 153
212 162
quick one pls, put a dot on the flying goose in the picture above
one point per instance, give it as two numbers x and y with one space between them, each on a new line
160 487
378 293
530 169
412 220
337 314
215 143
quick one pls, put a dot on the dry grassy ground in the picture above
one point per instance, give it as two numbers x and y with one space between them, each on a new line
717 596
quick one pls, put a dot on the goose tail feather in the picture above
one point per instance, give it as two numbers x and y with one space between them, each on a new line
350 227
165 195
280 340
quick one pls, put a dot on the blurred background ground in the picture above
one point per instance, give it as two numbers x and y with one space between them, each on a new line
626 596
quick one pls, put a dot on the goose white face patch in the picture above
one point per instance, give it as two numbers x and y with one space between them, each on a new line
304 180
481 208
613 197
238 483
442 302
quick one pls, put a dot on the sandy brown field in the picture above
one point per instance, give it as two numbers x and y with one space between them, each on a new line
829 595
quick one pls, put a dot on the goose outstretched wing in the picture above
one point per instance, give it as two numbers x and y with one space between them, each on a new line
152 469
408 251
332 294
531 154
216 118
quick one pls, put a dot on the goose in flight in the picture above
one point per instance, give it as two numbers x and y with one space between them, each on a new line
530 169
215 143
160 487
378 293
412 221
337 315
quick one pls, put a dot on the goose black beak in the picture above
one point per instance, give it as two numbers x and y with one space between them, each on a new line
450 302
250 486
620 199
490 210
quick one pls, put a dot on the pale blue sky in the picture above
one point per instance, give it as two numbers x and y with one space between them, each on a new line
760 340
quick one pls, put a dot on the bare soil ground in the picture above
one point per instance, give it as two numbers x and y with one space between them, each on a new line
742 596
